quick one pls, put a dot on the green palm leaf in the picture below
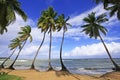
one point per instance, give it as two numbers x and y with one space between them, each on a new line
25 33
15 43
7 15
93 27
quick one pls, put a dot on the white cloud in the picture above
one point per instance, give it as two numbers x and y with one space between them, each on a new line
112 21
96 49
71 33
37 35
111 38
32 49
78 19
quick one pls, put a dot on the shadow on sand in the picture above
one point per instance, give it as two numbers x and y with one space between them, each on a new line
65 73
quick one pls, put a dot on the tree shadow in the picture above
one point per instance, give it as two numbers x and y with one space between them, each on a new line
6 71
65 73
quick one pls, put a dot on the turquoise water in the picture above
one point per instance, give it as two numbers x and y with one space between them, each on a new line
77 66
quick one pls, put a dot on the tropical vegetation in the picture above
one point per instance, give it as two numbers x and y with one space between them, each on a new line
50 22
44 28
93 28
5 76
62 24
24 35
113 6
50 16
13 46
9 8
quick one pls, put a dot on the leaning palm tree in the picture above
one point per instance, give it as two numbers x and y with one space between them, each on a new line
13 46
62 24
43 26
93 28
7 14
24 35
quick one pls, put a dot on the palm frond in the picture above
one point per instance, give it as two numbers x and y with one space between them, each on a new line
87 20
20 12
15 43
93 27
25 33
112 9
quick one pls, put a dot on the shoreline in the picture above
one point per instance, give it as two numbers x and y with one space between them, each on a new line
78 66
59 75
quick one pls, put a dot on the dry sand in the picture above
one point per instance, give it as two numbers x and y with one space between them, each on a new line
58 75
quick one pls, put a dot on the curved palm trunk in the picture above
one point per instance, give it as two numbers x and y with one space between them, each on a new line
11 66
2 65
50 66
62 64
117 68
33 66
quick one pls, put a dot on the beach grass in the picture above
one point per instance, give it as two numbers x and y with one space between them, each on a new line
5 76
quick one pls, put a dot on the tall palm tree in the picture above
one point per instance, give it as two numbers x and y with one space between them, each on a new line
7 14
93 28
24 35
13 46
43 26
114 6
61 23
50 17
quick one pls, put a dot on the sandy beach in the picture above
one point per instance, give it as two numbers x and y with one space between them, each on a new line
58 75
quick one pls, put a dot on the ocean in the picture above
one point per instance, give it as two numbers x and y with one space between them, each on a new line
75 66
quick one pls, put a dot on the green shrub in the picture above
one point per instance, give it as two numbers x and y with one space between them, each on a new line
5 76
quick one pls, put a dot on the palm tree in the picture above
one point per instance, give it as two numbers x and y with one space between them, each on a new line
13 46
93 29
62 24
7 14
24 35
50 17
43 26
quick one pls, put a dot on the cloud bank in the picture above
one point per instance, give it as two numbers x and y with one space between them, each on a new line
74 34
96 49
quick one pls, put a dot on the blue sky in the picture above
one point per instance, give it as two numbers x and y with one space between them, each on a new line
76 44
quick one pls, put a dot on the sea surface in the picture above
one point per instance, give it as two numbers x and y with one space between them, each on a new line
75 66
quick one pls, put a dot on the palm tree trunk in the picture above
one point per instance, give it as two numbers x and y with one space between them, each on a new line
49 63
2 65
11 66
32 66
117 68
62 64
